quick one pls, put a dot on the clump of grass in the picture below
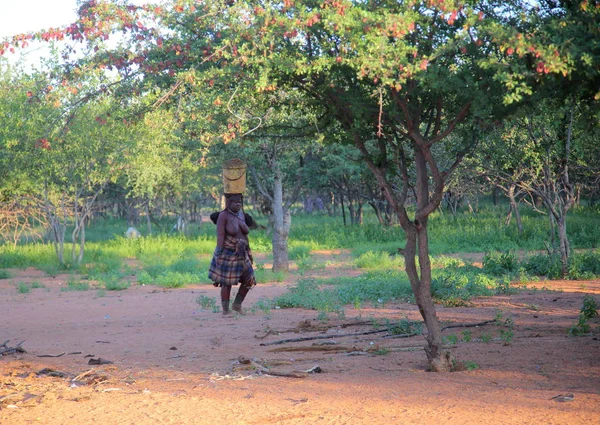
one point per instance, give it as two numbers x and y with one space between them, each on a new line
167 279
263 305
75 285
307 294
307 262
446 262
206 303
375 287
298 251
378 260
113 282
4 274
262 275
23 288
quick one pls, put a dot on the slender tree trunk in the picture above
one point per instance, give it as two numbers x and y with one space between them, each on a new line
439 359
563 244
280 227
514 206
148 218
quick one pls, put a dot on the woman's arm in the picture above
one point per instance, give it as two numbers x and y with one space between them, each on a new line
221 226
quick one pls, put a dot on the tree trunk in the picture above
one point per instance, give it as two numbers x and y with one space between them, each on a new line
281 227
563 244
514 206
439 359
148 218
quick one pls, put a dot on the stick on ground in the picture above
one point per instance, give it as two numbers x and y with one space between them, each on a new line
310 338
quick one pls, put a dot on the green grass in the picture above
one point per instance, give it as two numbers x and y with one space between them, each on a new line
330 295
174 260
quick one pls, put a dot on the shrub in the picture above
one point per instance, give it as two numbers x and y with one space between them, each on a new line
458 286
4 274
543 265
500 263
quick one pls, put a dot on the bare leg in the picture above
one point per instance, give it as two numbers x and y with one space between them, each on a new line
225 295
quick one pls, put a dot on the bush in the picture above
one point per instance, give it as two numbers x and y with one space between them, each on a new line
458 286
543 265
500 263
585 265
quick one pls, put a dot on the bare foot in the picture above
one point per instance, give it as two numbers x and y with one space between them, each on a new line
238 309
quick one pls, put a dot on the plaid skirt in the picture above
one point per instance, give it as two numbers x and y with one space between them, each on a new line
227 269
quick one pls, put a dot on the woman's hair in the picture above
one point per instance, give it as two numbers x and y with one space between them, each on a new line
231 195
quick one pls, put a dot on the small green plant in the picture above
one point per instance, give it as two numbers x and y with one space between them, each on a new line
101 293
471 365
36 285
486 338
381 352
590 307
322 316
581 328
466 336
23 288
262 305
507 335
4 274
206 303
451 339
533 307
501 320
588 310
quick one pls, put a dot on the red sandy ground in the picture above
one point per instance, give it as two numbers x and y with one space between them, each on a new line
173 363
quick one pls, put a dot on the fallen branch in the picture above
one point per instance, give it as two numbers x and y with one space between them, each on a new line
400 336
310 338
84 374
469 325
262 369
5 349
307 326
312 348
51 355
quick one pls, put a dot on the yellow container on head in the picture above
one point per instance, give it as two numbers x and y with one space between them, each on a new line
234 176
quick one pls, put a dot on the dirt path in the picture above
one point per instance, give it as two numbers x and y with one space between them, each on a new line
174 363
